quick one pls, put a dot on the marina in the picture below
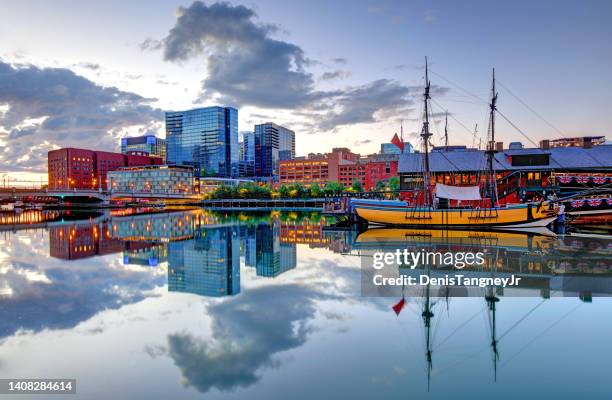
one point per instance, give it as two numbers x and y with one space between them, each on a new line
192 278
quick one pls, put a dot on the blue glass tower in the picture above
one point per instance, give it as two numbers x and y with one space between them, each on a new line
272 144
205 138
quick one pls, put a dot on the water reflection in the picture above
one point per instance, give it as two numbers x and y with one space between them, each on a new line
196 302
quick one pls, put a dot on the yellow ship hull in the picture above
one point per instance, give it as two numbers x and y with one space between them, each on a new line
397 213
401 236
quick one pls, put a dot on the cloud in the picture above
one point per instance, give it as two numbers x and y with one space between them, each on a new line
49 107
48 293
250 330
361 104
328 76
245 65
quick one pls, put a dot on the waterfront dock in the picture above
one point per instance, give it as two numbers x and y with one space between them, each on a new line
316 204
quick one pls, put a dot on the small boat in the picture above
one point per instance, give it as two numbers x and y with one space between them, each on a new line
483 210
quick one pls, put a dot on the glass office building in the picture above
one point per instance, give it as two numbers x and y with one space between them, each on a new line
204 138
248 146
150 144
272 144
154 179
390 148
246 167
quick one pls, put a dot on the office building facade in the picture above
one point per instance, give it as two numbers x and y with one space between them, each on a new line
304 170
205 139
390 148
150 144
162 180
273 143
71 168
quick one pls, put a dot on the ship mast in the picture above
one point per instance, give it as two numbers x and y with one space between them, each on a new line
427 315
446 131
492 184
492 300
425 135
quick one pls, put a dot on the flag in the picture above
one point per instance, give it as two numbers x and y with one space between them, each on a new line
398 307
396 141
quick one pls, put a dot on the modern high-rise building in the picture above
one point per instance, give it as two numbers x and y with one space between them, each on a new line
246 167
272 144
150 144
204 138
248 146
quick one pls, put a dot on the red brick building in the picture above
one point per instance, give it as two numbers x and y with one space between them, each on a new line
304 170
341 165
379 170
71 168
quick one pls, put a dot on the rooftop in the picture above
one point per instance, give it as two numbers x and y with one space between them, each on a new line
475 160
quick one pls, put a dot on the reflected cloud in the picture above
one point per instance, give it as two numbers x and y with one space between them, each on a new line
47 293
249 331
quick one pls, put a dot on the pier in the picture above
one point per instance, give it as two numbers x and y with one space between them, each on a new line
264 204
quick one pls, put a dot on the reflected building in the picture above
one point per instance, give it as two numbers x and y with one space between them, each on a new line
272 257
207 265
248 244
82 240
304 233
163 227
146 255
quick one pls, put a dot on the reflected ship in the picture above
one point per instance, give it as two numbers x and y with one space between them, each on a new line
552 265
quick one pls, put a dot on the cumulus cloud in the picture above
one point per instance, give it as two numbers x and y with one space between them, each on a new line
245 64
48 293
251 329
361 104
49 107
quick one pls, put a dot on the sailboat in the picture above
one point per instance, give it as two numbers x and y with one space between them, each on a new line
484 212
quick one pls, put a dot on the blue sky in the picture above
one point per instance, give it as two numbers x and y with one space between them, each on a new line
338 73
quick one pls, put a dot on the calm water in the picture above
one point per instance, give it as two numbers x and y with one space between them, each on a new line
199 305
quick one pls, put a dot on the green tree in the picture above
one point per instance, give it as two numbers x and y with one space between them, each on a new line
315 190
356 186
332 188
394 183
283 191
380 186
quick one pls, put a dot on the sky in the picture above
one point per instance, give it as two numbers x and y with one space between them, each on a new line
340 74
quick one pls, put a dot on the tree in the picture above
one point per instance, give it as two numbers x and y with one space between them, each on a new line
283 191
315 190
332 188
394 183
356 186
380 186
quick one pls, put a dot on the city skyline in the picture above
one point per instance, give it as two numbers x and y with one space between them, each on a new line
335 86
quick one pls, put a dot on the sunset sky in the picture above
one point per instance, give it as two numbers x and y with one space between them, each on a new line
341 74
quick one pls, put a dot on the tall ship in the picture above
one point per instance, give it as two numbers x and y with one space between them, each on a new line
445 206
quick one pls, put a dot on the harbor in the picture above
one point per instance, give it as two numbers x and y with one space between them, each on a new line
257 200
